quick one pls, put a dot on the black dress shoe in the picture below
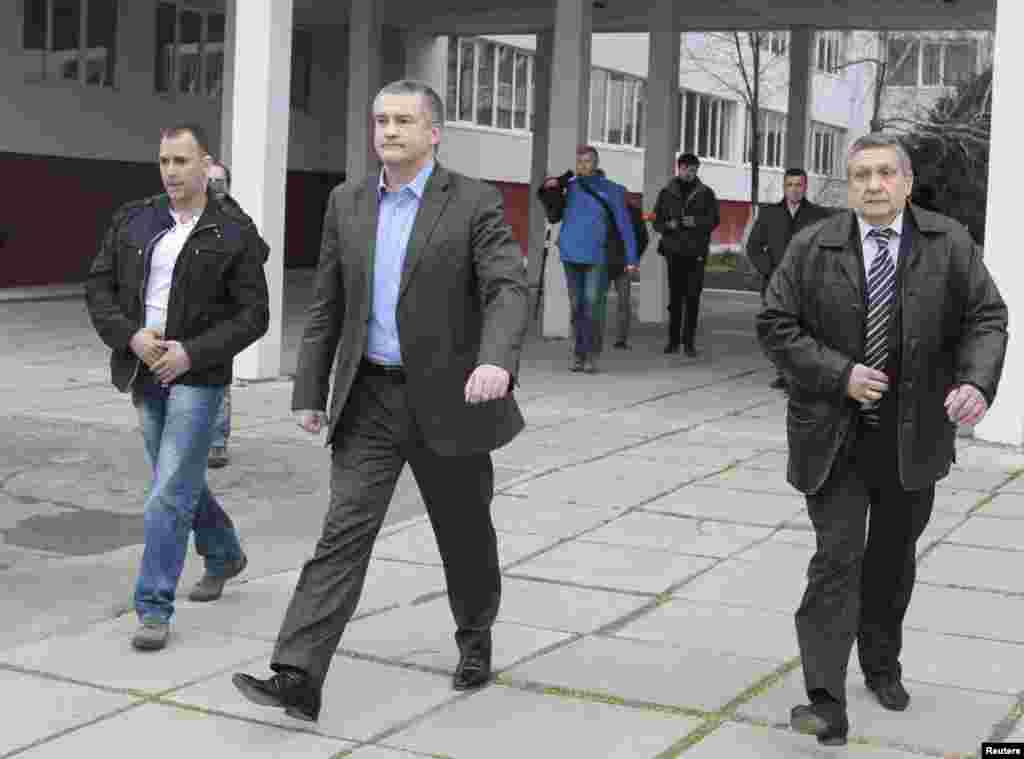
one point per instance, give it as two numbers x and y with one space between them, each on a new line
826 721
890 693
290 690
672 348
690 351
473 671
779 383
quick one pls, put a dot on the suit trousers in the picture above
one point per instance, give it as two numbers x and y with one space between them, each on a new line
685 283
376 436
856 589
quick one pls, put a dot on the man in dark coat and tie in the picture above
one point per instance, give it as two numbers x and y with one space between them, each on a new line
891 332
421 295
775 226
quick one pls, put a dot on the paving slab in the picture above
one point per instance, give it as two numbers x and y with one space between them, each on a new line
418 544
747 583
386 697
681 452
513 724
980 614
46 707
424 634
983 480
957 501
755 742
718 627
959 662
939 719
564 608
1006 505
743 506
168 732
614 567
773 461
611 482
518 514
646 671
964 566
379 752
677 534
757 480
103 655
990 532
977 454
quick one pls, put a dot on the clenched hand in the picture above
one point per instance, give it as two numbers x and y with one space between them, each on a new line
173 363
146 345
866 385
487 383
966 405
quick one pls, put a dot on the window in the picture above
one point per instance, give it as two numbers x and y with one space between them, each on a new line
489 84
772 126
616 108
776 43
829 51
189 51
707 126
72 40
827 144
918 62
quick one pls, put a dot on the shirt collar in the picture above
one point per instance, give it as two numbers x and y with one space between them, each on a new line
865 229
417 185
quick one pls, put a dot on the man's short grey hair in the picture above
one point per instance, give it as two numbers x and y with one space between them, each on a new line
416 87
879 140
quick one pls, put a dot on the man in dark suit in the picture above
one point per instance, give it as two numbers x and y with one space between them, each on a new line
421 292
775 226
891 332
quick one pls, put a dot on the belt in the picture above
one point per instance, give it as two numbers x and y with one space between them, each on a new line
369 369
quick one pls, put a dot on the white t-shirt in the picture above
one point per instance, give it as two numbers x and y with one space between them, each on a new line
161 269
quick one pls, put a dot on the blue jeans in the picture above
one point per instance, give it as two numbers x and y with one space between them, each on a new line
222 424
177 426
588 289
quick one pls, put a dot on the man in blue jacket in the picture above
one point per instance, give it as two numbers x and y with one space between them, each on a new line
586 203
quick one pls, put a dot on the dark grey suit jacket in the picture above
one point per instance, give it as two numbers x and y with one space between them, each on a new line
463 301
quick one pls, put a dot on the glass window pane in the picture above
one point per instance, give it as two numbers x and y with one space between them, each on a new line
522 88
188 52
960 62
101 35
214 52
616 85
690 128
902 64
641 121
598 102
627 125
468 48
452 80
715 113
485 85
34 31
166 14
505 94
930 64
703 124
67 29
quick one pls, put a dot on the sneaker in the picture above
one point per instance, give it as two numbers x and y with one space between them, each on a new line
590 365
672 348
218 457
151 636
576 364
211 587
622 345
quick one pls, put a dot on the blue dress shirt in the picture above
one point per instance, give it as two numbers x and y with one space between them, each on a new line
394 227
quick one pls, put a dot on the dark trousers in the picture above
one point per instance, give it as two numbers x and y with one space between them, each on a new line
859 590
685 282
376 437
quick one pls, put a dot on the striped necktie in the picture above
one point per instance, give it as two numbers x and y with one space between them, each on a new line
881 287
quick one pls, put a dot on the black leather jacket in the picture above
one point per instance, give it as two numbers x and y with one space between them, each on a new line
218 303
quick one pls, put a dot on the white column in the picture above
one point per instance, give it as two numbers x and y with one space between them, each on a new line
539 165
661 140
364 72
1005 420
567 128
801 46
228 78
259 148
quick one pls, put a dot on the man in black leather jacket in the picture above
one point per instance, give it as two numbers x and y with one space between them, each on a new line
177 290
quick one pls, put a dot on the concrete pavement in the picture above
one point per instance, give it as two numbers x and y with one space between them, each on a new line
653 556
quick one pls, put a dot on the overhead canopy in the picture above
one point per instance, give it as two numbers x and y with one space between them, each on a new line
471 17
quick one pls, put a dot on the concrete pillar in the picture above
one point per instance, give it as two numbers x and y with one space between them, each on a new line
539 164
567 128
228 94
798 119
364 81
661 141
259 147
1005 420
